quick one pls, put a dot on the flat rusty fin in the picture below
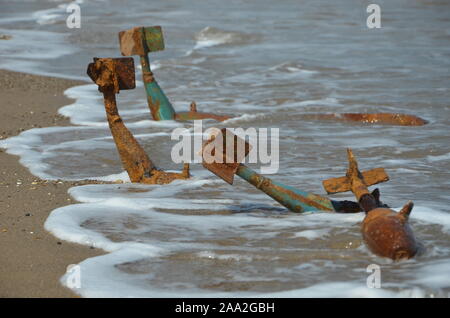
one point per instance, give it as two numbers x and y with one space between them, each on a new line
406 210
343 184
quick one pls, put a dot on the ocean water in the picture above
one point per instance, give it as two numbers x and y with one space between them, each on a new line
267 63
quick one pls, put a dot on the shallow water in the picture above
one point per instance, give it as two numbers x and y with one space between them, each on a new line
268 63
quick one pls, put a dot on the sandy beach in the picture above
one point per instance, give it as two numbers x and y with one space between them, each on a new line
31 259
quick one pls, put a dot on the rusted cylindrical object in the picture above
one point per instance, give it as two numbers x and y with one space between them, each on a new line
134 159
385 232
388 233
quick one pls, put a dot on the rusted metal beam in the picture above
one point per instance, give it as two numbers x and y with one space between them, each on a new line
386 232
222 157
375 118
112 75
140 41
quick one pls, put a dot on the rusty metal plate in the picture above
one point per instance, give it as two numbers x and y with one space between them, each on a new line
225 171
230 157
131 42
113 72
141 40
124 67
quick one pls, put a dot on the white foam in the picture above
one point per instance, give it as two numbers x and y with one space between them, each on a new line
436 275
312 234
430 215
211 36
329 101
293 68
28 51
242 118
28 145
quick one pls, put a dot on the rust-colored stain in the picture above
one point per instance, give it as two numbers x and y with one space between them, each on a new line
375 118
385 232
113 75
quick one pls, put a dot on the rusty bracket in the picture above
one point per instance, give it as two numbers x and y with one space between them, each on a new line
140 41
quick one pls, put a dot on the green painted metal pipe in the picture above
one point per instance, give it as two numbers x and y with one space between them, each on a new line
294 199
159 104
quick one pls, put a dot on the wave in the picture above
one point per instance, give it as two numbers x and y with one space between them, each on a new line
156 248
211 36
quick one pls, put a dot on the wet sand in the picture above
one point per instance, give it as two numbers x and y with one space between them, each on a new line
31 259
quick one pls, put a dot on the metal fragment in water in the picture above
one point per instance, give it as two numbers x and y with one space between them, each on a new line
112 75
223 156
140 41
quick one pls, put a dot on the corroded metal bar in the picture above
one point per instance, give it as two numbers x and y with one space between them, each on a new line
158 103
140 41
293 199
112 75
134 159
229 164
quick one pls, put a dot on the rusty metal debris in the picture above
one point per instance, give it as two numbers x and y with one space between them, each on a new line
140 41
112 75
375 118
386 232
222 157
